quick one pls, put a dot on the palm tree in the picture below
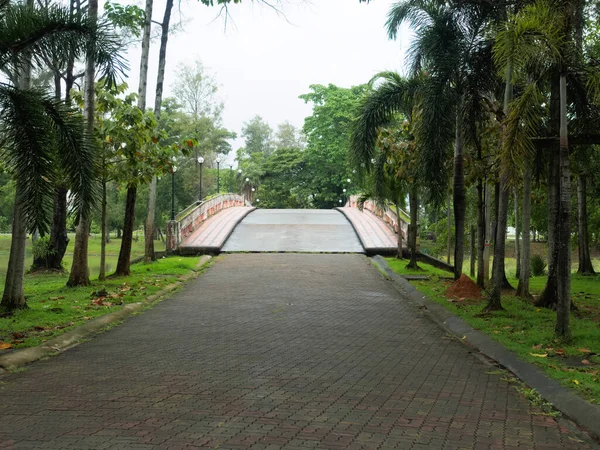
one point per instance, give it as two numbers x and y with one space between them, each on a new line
541 42
40 133
384 147
449 47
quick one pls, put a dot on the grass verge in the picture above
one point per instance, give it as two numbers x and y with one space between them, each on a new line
55 309
529 331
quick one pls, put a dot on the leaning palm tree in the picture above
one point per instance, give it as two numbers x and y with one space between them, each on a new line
450 41
38 132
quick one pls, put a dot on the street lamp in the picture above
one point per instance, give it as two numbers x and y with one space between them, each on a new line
218 175
173 170
200 162
344 191
230 177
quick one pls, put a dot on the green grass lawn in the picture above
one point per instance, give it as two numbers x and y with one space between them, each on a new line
399 266
54 308
529 331
112 252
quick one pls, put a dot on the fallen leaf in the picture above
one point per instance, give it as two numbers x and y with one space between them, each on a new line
537 347
585 362
39 328
87 317
18 335
539 355
559 351
5 345
584 350
575 381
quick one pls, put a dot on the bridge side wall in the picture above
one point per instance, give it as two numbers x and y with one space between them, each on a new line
192 217
386 214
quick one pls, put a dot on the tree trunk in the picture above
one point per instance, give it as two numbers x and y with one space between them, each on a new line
495 297
399 230
480 233
549 295
149 254
59 238
14 296
517 233
413 199
563 243
80 274
126 241
585 261
523 287
473 251
488 232
449 240
460 198
102 274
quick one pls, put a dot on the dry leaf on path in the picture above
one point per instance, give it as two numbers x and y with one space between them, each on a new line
5 345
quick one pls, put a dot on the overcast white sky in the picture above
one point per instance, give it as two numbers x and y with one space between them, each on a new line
263 62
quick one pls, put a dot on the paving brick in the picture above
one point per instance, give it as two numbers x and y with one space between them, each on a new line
269 351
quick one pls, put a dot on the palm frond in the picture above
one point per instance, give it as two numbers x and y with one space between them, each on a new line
393 96
27 149
53 33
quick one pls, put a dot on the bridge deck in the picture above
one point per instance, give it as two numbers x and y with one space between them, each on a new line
212 234
375 236
294 230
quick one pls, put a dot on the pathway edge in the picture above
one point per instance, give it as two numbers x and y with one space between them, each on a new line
583 413
73 337
360 239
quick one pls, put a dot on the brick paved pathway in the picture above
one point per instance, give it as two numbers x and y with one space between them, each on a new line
268 351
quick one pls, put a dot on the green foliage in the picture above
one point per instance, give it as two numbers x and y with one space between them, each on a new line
128 17
538 266
328 132
41 248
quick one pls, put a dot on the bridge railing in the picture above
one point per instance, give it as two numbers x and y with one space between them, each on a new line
385 213
194 215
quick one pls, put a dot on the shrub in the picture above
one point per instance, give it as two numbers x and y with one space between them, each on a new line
537 265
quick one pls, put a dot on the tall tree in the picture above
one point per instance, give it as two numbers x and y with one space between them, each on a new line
257 136
449 45
38 130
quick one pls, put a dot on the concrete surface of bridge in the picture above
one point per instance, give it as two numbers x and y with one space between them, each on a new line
294 230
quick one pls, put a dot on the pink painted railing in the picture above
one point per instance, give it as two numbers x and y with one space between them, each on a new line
386 214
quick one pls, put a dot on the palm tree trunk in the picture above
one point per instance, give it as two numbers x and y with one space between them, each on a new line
549 295
473 255
398 220
162 60
460 198
102 274
14 296
449 231
495 297
585 261
413 199
80 274
488 231
126 241
517 232
480 233
523 287
563 244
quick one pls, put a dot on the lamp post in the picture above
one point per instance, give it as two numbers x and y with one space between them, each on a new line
252 195
200 162
247 181
173 170
218 175
345 195
230 178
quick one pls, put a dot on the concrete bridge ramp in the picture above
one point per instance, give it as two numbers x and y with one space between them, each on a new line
294 230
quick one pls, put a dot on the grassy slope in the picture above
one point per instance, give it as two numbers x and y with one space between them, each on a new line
528 330
54 308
